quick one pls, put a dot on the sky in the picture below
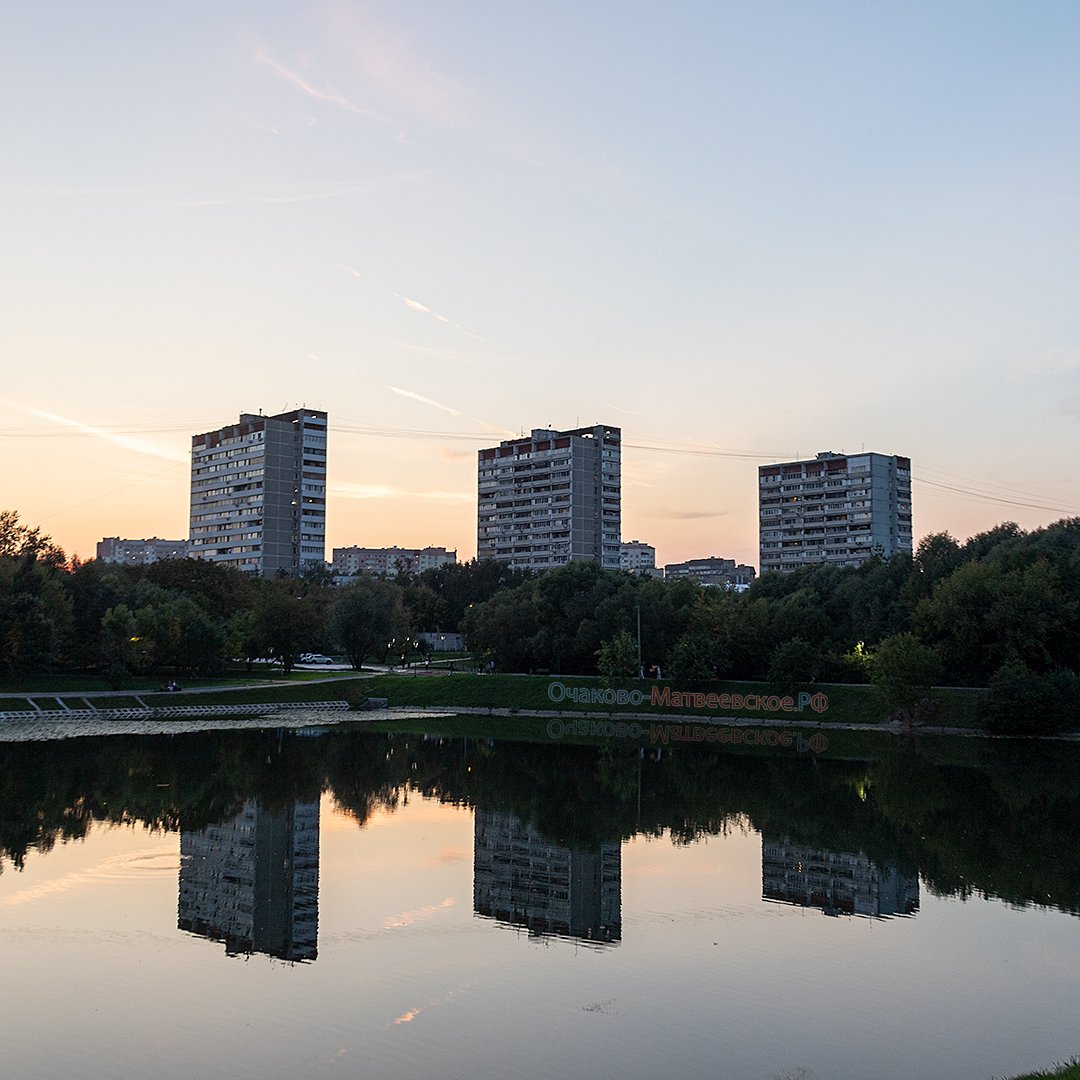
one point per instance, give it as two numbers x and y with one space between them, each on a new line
741 232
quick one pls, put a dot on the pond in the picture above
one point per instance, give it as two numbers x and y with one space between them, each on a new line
343 903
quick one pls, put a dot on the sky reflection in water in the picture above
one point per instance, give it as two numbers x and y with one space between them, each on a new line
383 933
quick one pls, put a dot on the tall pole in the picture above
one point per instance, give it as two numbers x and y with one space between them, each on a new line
639 668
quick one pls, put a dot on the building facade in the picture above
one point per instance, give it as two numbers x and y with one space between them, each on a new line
258 493
522 879
838 882
389 561
836 508
551 498
112 549
725 573
253 882
639 558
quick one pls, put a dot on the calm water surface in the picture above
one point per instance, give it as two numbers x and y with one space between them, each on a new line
362 905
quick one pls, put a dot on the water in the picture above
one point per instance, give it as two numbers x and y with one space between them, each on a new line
359 904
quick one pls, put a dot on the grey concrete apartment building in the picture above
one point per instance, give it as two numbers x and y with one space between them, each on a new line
551 498
389 561
112 549
258 493
833 508
713 570
639 558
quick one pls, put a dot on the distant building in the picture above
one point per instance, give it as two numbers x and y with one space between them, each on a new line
713 571
837 509
389 561
521 879
139 552
639 558
551 498
838 882
253 882
258 493
442 640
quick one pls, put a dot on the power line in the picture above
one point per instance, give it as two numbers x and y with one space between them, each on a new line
982 491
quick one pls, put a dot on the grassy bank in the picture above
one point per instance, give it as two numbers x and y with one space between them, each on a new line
846 704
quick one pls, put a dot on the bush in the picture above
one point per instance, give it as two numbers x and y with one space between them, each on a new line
1022 702
795 661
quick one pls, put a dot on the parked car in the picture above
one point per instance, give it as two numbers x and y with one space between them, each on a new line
314 658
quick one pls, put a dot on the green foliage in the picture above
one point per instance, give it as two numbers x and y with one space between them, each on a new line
286 620
697 656
617 658
1004 597
1024 702
795 661
903 671
365 616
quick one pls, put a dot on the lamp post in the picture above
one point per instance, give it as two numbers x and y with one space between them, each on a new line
640 669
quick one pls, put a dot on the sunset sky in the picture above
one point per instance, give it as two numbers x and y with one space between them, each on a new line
741 232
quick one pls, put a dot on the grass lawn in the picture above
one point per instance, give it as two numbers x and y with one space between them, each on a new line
846 704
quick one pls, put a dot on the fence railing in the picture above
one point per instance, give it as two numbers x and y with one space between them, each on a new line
171 712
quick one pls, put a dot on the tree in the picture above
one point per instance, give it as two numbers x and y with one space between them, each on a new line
366 615
617 657
795 661
18 540
903 670
1023 702
286 620
124 650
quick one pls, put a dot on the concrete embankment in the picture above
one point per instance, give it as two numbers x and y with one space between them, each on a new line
40 727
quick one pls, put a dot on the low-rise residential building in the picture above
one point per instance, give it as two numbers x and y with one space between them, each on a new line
713 571
112 549
639 558
389 561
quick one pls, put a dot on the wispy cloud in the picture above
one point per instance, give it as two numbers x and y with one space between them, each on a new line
690 515
385 491
128 442
326 95
245 199
415 305
424 400
495 429
350 270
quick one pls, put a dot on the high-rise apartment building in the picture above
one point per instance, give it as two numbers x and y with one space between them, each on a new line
258 493
551 498
522 879
838 882
836 508
253 881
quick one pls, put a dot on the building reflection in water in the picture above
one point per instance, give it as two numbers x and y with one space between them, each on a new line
253 882
522 879
838 882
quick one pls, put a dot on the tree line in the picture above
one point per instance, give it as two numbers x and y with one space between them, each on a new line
196 617
1001 610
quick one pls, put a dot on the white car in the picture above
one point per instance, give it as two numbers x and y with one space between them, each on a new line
313 658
